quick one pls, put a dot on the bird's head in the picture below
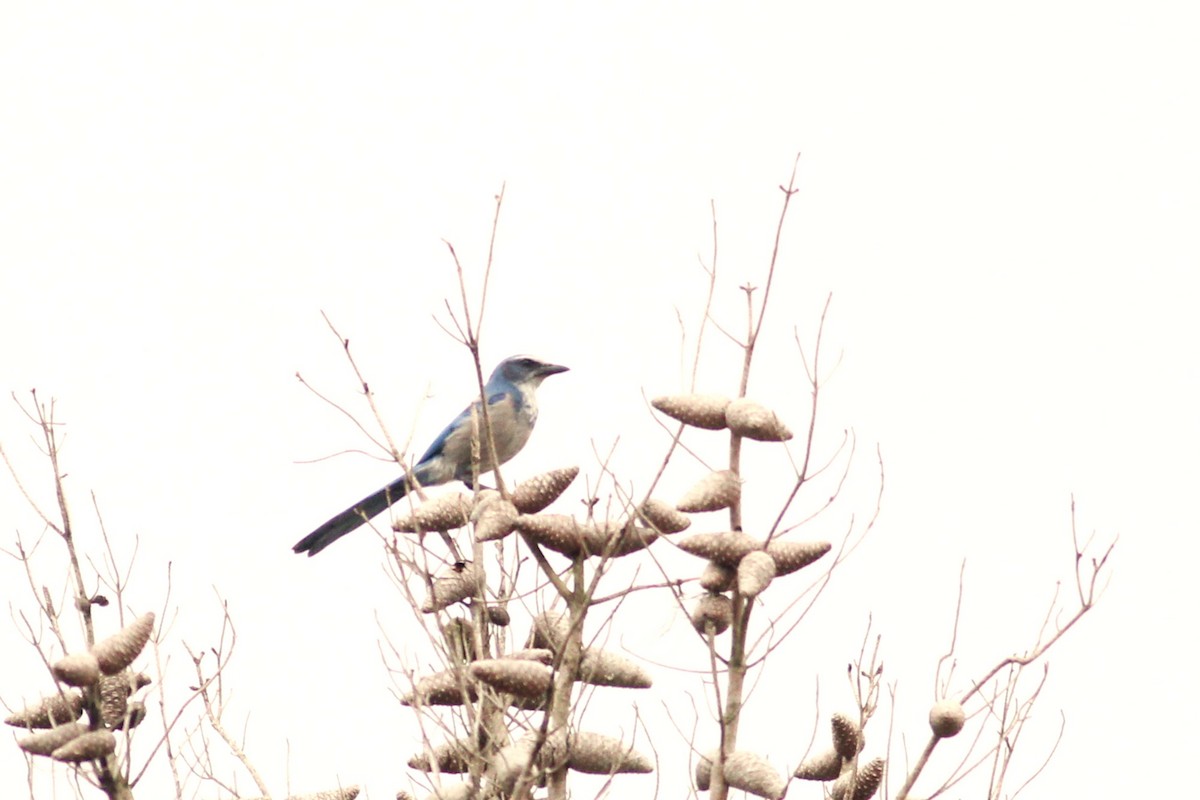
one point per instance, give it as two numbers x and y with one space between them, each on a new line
525 370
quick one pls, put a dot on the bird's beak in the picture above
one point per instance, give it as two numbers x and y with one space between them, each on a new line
550 369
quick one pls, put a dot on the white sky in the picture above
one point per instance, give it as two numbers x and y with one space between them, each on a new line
1002 200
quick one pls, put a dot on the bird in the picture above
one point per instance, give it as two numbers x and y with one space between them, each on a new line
512 411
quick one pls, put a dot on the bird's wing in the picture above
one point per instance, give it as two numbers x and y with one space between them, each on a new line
462 425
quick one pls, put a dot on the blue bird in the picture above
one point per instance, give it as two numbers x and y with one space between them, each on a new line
512 412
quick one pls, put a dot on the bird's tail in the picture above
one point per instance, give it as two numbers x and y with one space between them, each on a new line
352 518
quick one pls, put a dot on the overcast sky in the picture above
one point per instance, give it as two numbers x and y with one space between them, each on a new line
1001 198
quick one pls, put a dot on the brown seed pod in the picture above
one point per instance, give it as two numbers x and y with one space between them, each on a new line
598 537
135 714
453 756
509 763
754 573
597 754
46 742
461 581
459 636
727 549
614 540
482 499
717 577
792 556
513 676
531 496
443 513
865 782
443 688
77 669
603 668
663 516
751 773
712 612
946 718
550 630
869 778
713 492
494 519
753 421
698 410
538 654
498 616
48 712
824 767
558 532
119 650
704 770
88 747
554 749
115 691
847 738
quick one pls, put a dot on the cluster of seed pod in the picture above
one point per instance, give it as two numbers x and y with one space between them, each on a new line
743 770
102 672
736 559
523 674
716 412
495 517
523 678
580 751
851 780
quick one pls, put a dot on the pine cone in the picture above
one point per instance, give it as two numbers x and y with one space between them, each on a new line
494 519
597 754
46 742
712 612
792 556
727 549
458 583
751 773
754 573
946 718
558 532
443 513
119 650
713 492
663 516
513 676
717 577
698 410
77 669
824 767
88 747
531 496
603 668
847 738
48 712
753 421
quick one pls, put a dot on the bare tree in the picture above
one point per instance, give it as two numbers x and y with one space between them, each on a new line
517 604
97 722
